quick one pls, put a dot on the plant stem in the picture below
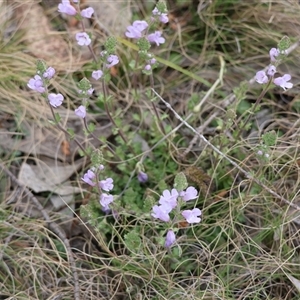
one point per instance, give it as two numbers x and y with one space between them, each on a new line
254 107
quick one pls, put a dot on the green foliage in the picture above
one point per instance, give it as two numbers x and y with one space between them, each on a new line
241 220
241 90
284 44
41 66
97 158
133 241
144 45
269 138
180 182
243 106
110 45
84 85
91 127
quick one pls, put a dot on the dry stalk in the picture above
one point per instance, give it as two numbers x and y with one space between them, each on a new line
52 226
247 174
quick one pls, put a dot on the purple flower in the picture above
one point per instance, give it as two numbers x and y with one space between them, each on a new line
66 8
283 81
164 18
191 216
106 209
107 184
80 111
170 238
271 70
274 53
87 13
161 212
49 73
89 177
156 38
135 30
261 77
190 194
36 84
101 167
156 12
169 198
97 74
83 39
112 60
152 61
105 200
103 53
142 177
90 91
147 68
55 99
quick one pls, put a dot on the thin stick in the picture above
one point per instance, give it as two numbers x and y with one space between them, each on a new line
247 174
53 226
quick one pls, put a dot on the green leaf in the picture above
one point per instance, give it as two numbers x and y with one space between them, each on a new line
180 182
284 44
57 117
71 133
91 127
270 138
133 241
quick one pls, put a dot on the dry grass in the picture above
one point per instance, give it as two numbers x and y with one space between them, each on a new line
247 245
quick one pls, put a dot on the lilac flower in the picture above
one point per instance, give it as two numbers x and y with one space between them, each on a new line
135 30
83 39
112 60
156 12
106 184
261 77
106 209
152 61
90 91
161 212
271 70
97 74
87 13
101 167
66 8
283 81
274 53
260 153
36 84
103 53
170 238
105 200
164 18
147 68
156 38
142 177
55 99
190 194
89 177
49 73
191 216
169 198
80 111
